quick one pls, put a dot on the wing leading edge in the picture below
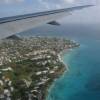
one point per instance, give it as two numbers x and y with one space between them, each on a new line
16 24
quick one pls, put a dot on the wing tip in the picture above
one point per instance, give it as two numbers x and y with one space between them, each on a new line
84 6
90 5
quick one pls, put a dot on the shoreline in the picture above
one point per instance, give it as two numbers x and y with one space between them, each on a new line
60 55
65 69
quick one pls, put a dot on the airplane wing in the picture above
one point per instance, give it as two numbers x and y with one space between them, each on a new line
17 24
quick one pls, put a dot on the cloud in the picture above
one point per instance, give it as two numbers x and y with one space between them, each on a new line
55 4
69 1
11 1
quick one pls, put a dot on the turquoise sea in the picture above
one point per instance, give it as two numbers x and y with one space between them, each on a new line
82 81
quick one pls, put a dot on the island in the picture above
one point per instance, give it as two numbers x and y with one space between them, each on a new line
28 66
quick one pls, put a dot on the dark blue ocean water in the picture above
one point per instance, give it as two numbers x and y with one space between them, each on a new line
82 81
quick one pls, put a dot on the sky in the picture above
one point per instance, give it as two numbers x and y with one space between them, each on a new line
17 7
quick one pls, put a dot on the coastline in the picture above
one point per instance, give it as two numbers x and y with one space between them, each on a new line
64 70
61 54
